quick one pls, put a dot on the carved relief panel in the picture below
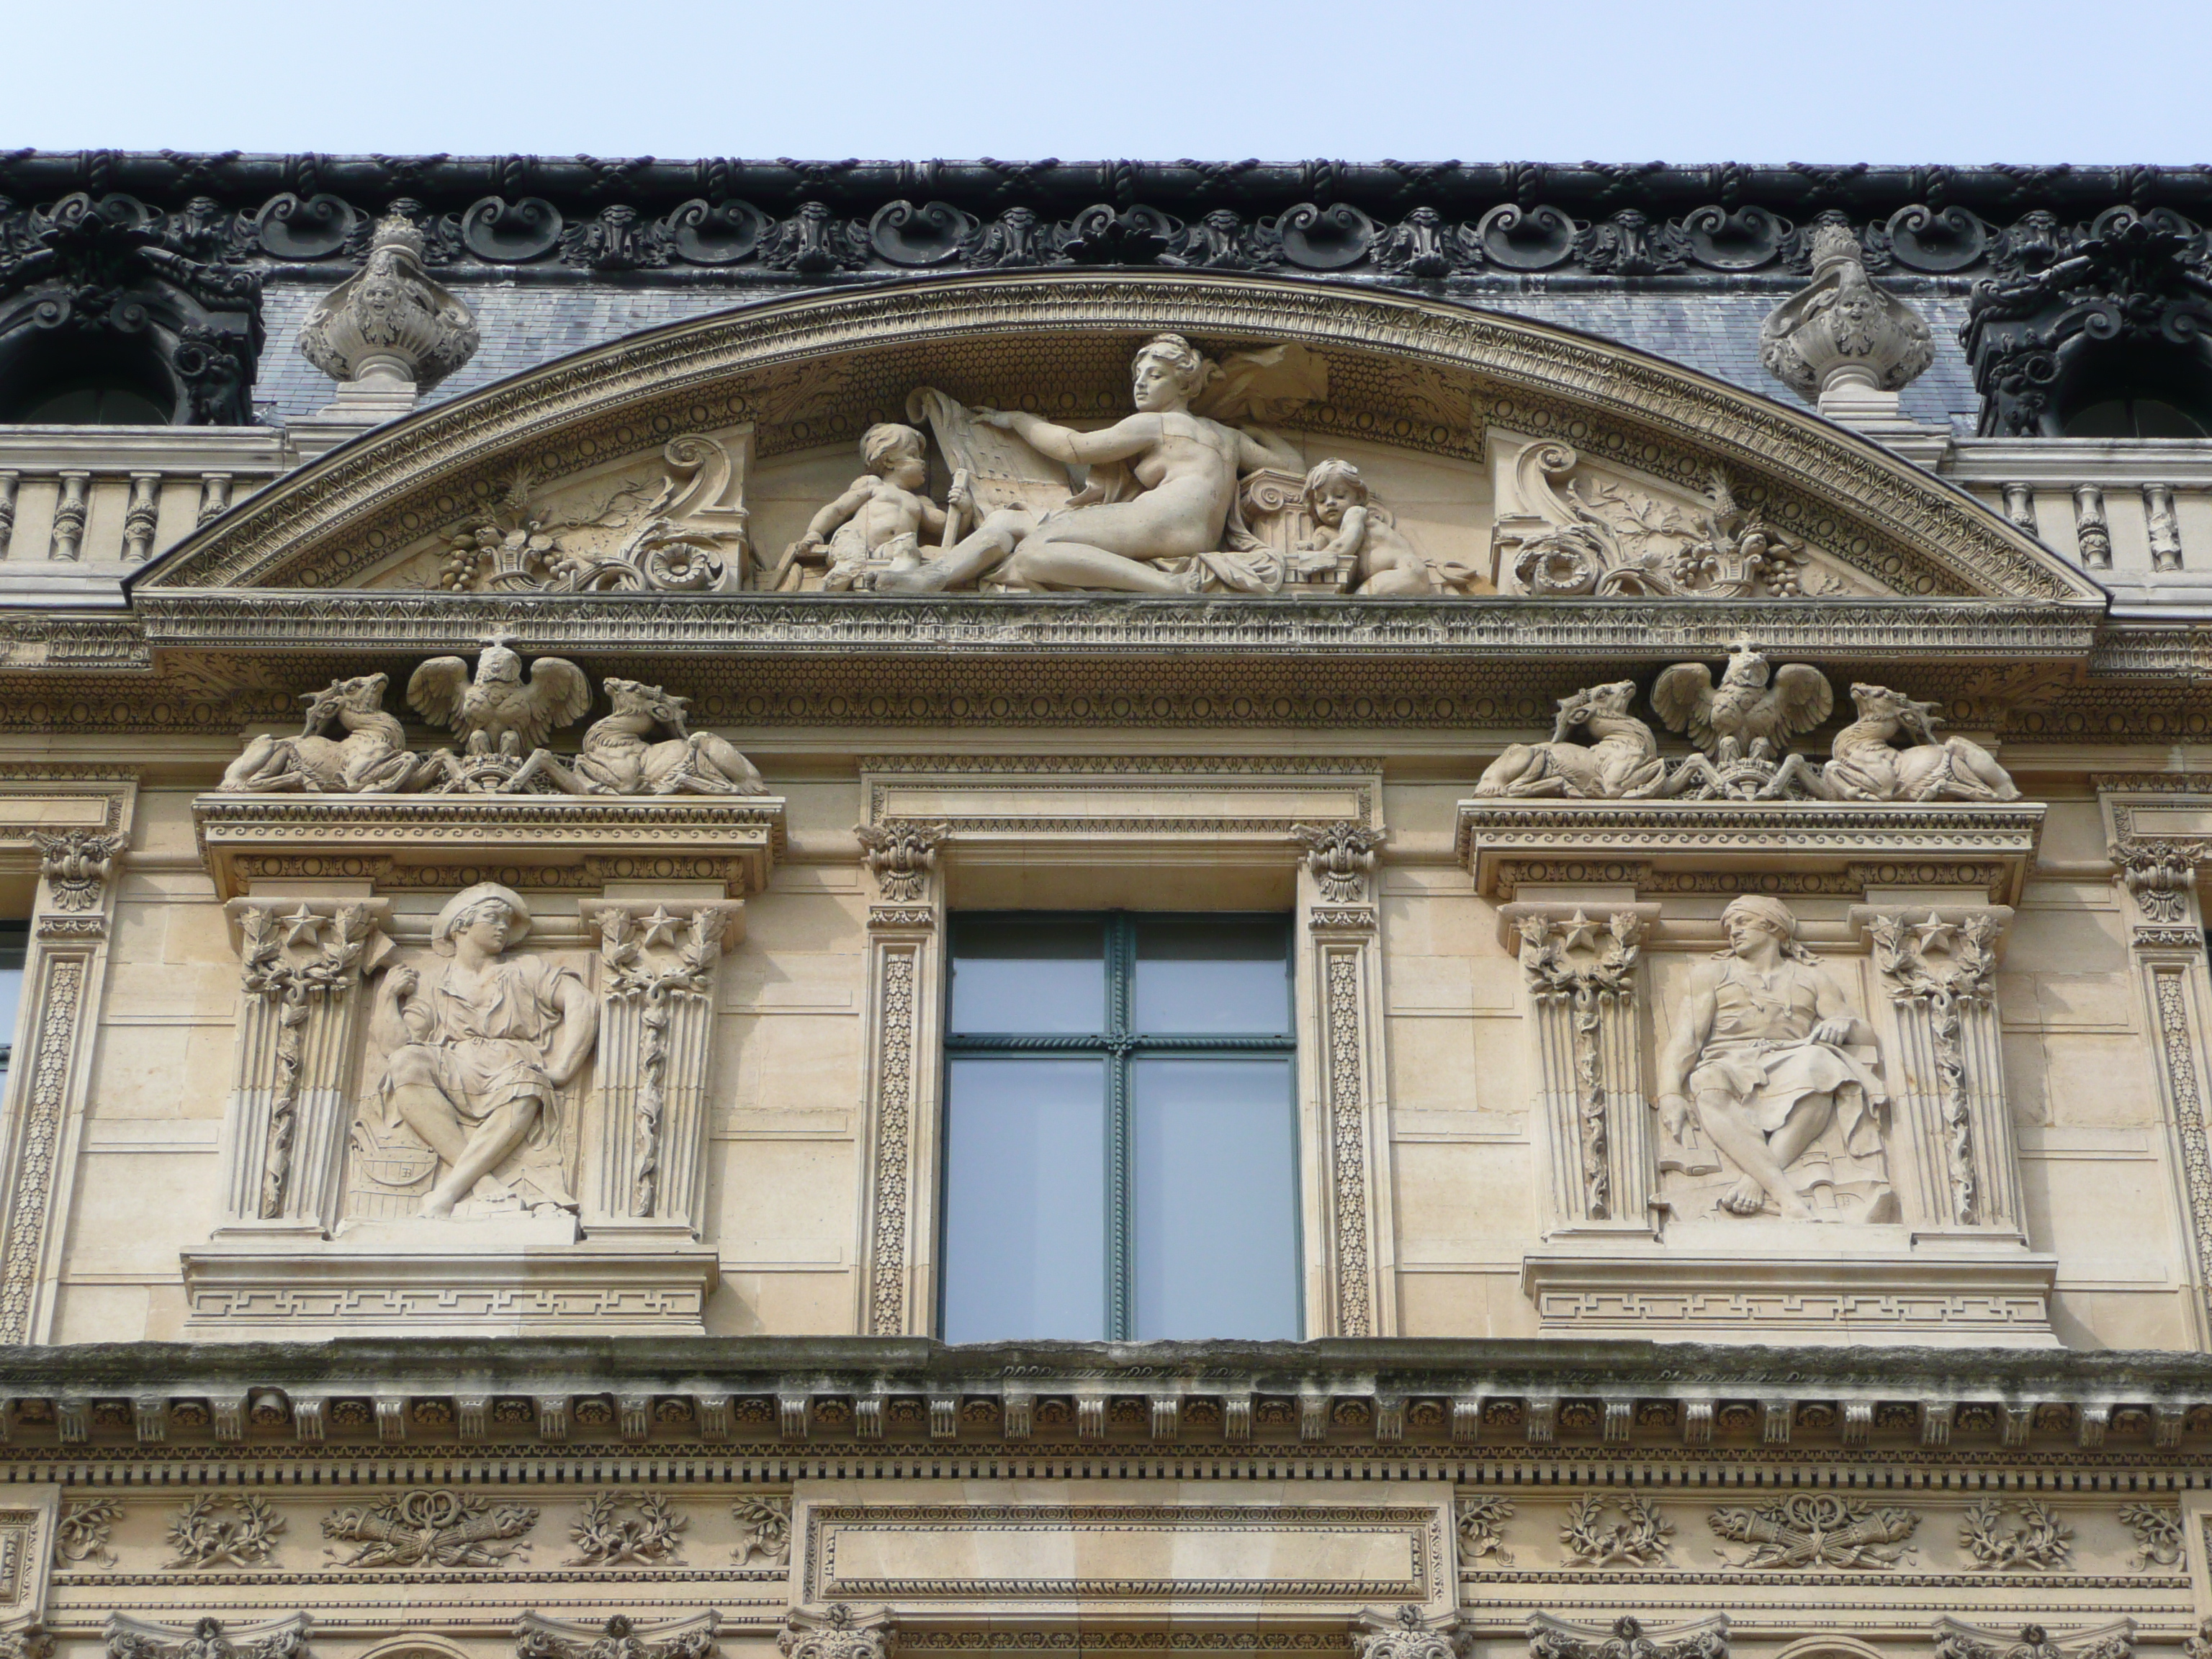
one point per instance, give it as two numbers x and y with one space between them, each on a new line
1765 1040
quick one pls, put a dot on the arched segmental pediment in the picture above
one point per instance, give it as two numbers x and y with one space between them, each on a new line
1441 383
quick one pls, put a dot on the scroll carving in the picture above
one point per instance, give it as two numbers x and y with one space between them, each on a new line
1409 1634
901 855
1627 1638
136 1638
78 864
540 1637
1341 858
1956 1640
2159 878
838 1631
655 1047
1613 539
685 534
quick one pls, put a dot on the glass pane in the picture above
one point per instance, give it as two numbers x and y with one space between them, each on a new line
1025 1200
1209 974
1214 1235
1035 973
11 996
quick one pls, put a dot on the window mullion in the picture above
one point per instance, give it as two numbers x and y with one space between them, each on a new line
1120 943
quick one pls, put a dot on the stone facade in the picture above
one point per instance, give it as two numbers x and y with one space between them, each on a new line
490 838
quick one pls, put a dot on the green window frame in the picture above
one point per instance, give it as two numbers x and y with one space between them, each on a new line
1119 1047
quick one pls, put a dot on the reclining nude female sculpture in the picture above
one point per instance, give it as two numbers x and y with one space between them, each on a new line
1171 505
1768 1059
490 1043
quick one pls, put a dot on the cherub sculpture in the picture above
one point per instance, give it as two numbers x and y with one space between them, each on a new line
1744 718
1621 762
1863 765
1161 497
486 1047
883 515
618 760
372 759
1387 565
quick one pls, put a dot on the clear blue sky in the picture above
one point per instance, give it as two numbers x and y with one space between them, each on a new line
1700 81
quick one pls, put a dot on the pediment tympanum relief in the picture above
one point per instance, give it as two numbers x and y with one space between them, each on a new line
1165 432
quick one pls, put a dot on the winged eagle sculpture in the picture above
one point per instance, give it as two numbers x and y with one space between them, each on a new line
497 711
1749 716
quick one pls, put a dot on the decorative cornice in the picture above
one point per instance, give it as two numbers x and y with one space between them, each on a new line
2127 1407
1967 629
325 524
732 217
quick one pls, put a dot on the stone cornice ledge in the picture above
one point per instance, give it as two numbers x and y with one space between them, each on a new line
1601 629
1348 1392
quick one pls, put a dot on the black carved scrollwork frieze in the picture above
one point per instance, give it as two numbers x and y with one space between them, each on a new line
2128 280
111 280
1394 219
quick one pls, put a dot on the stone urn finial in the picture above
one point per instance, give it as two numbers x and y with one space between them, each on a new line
389 332
1842 343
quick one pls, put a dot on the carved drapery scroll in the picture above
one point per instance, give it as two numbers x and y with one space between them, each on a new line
1408 1632
77 864
899 855
301 966
537 1636
655 1044
2159 876
136 1639
1341 857
1578 963
1956 1640
1939 968
1627 1638
837 1631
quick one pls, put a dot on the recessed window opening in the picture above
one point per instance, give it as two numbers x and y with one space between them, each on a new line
2152 391
14 950
1121 1158
61 382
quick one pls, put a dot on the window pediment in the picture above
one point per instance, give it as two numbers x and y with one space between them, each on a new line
719 440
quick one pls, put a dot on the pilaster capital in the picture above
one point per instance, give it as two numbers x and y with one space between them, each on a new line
837 1631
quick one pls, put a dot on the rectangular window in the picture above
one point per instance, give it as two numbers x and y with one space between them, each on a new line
14 948
1120 1129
